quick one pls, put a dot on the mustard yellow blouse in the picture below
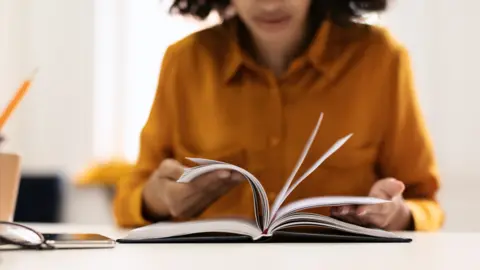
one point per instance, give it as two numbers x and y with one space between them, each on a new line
213 101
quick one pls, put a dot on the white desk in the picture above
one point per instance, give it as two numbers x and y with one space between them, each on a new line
427 251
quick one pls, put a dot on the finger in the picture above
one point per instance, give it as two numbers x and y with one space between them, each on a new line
387 189
206 198
209 192
205 190
237 177
198 204
222 188
188 200
335 210
365 221
212 180
376 220
377 209
343 210
347 210
170 169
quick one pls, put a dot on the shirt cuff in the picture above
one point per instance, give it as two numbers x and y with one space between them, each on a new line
427 215
136 207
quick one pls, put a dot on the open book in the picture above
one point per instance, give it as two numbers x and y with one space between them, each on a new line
271 222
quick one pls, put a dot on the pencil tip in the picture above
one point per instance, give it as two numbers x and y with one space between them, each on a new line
34 73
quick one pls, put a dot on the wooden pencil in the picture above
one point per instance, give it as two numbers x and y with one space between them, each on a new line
17 98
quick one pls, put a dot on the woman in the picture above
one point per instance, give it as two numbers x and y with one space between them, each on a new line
249 92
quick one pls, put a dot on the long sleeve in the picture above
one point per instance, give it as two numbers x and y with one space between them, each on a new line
407 153
155 145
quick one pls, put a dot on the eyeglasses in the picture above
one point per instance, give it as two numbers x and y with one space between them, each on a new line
20 235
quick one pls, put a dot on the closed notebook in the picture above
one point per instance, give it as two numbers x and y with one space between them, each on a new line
276 223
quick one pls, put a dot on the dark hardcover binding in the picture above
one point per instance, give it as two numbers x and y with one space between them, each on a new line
277 237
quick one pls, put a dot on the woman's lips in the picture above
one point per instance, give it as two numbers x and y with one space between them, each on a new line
273 23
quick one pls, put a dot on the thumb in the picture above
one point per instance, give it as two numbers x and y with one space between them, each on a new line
387 188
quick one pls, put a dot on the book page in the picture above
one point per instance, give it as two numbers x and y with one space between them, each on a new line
173 229
280 198
311 219
260 198
315 202
327 154
319 162
351 228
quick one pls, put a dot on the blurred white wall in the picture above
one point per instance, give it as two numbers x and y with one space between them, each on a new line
9 29
454 92
58 126
441 37
54 123
53 127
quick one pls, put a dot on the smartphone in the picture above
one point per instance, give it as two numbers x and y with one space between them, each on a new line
78 241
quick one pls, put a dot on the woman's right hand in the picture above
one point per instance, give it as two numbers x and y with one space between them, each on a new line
163 197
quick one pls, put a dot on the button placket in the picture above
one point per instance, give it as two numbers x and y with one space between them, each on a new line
274 141
275 117
275 137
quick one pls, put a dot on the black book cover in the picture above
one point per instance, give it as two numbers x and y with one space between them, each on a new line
283 236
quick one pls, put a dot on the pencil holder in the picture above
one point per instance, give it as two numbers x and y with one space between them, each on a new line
9 183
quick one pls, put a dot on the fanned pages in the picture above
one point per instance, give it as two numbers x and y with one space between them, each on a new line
334 148
268 221
282 194
330 151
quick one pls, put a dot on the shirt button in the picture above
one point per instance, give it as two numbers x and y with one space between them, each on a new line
274 141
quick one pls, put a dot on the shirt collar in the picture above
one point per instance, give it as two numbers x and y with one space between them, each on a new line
237 58
319 44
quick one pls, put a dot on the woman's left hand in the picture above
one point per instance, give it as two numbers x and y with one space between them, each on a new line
392 216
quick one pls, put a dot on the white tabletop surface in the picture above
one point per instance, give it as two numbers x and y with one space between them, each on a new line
427 251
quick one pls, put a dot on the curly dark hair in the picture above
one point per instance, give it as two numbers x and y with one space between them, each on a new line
340 11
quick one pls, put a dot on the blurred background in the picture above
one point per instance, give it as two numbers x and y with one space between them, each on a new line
99 60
